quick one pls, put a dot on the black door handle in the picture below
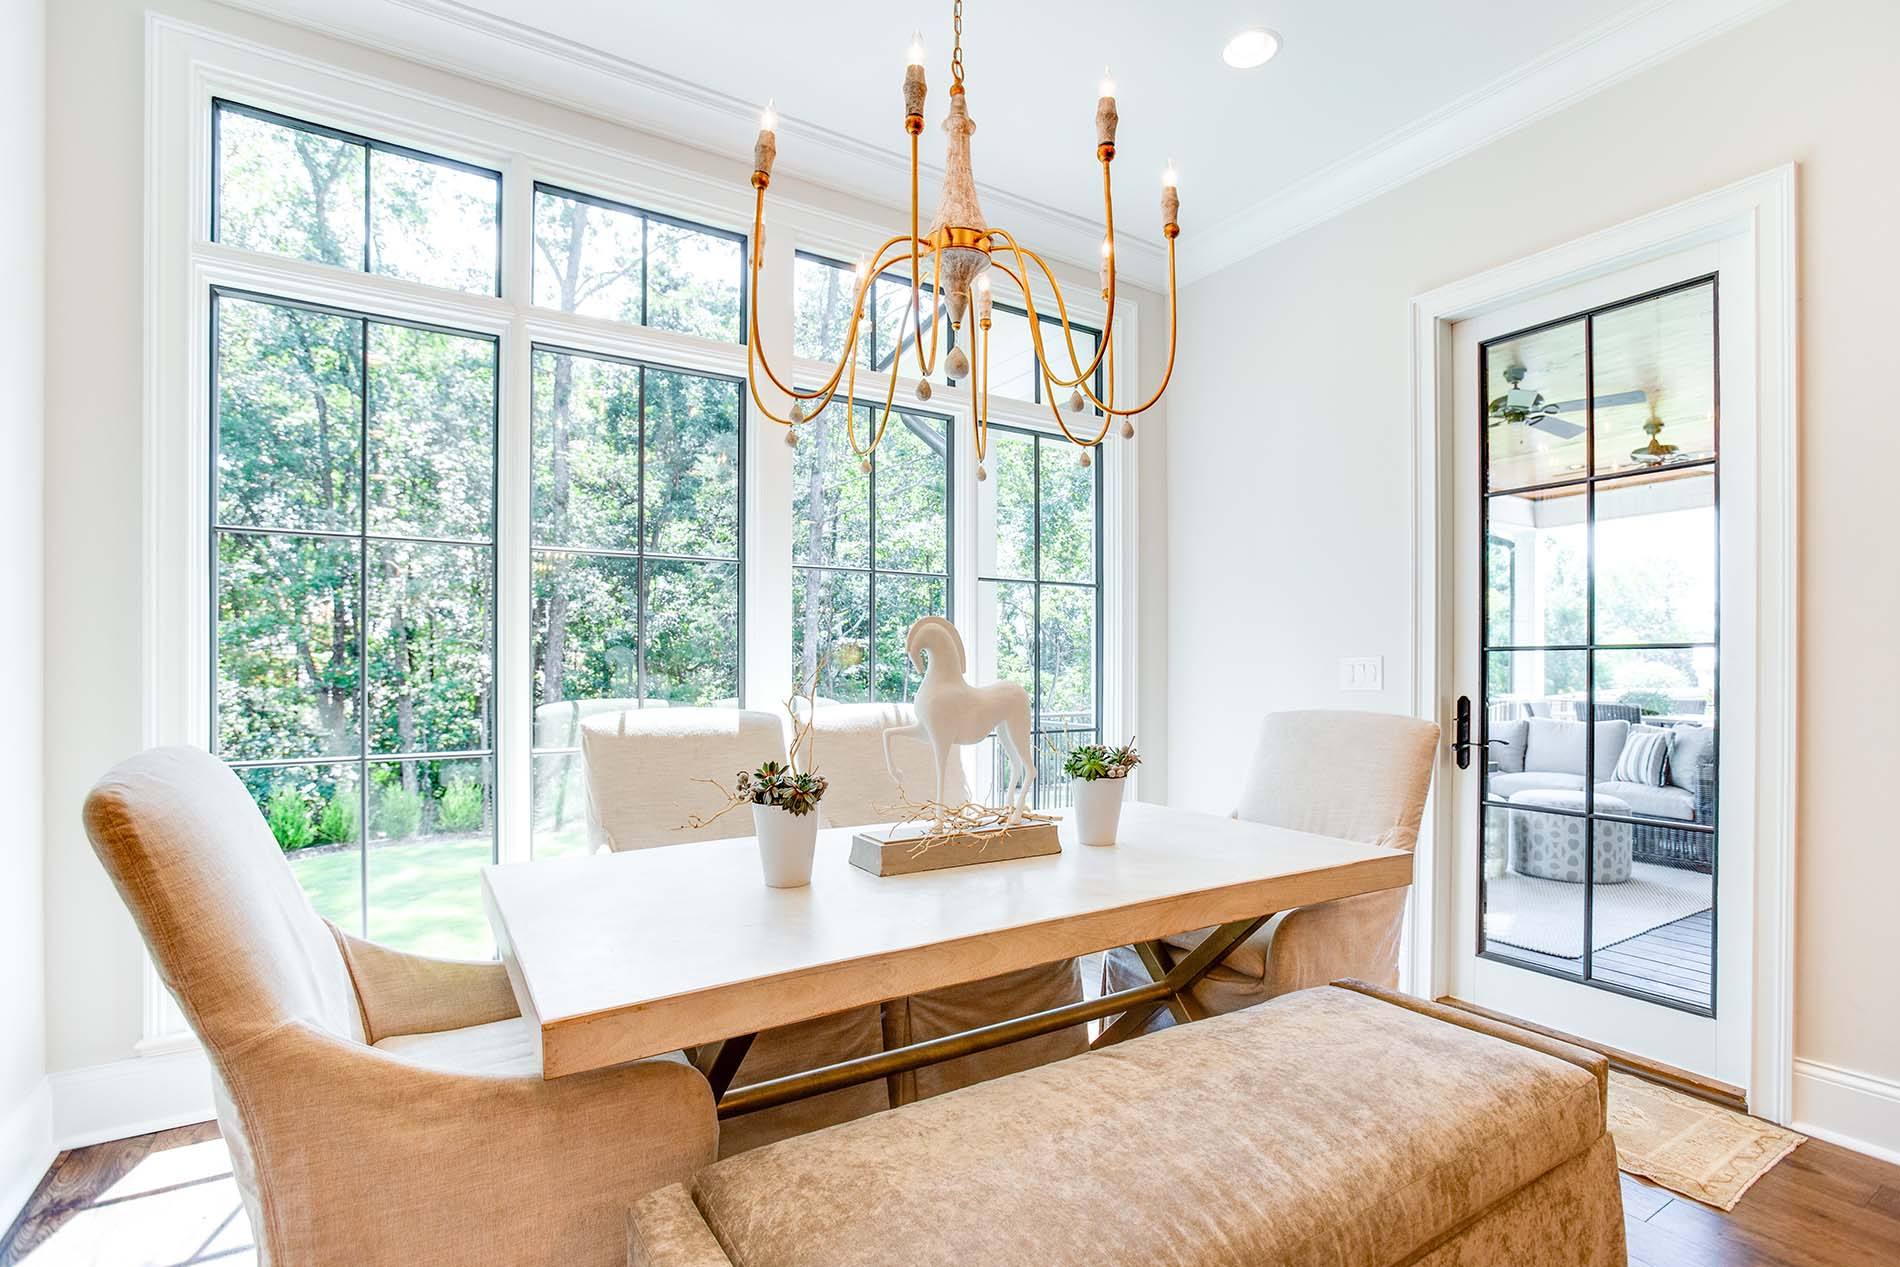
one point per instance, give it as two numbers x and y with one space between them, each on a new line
1461 744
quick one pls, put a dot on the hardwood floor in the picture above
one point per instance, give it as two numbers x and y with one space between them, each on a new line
169 1199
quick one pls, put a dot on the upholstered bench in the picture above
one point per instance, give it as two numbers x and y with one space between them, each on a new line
1342 1126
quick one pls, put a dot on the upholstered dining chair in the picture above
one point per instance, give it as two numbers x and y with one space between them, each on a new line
379 1106
1354 775
642 770
848 740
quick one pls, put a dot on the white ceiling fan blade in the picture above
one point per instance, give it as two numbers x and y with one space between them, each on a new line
1559 428
1604 402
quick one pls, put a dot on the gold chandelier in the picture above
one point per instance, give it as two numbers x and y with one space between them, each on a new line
961 250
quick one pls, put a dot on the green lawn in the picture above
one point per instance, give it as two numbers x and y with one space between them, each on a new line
424 894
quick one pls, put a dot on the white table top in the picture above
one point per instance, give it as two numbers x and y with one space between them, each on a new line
619 956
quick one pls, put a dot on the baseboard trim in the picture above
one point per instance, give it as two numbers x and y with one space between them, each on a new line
130 1097
1842 1106
26 1151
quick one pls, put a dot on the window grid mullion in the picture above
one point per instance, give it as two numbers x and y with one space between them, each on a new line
362 608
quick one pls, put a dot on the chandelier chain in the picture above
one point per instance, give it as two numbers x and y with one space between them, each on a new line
956 52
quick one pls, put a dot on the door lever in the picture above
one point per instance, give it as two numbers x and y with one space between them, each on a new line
1461 744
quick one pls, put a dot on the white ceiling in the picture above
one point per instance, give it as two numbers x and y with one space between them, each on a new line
1362 95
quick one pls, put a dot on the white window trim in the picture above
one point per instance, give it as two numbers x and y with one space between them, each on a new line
187 66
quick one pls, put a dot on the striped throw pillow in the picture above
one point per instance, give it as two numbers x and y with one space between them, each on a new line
1641 760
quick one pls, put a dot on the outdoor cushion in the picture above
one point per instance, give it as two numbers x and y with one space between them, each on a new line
1687 746
1505 786
502 1048
1558 745
1325 1127
1650 800
1508 755
1641 760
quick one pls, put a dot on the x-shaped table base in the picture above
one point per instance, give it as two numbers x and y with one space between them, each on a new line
1171 988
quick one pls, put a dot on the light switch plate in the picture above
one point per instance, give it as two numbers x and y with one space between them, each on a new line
1362 673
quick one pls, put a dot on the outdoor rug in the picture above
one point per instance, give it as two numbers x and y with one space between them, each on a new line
1547 915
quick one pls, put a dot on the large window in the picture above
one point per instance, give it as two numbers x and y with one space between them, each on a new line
606 259
871 550
636 557
353 508
1039 593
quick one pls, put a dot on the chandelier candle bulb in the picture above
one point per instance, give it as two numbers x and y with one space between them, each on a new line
1108 264
765 149
914 86
1106 118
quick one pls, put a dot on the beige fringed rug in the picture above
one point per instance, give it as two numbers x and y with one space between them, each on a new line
1689 1146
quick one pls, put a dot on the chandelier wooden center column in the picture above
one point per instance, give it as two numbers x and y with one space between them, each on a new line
961 250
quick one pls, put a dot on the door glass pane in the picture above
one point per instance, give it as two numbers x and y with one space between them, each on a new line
287 646
692 464
290 414
314 814
1655 558
289 191
831 632
1533 702
1537 565
1533 886
431 831
588 257
1655 368
586 452
435 223
431 433
1535 418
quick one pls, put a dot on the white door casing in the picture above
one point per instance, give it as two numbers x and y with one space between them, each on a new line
1747 232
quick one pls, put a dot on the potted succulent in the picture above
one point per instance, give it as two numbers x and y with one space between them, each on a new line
785 816
1098 774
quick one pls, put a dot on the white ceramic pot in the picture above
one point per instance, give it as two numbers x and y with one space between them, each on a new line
786 841
1098 809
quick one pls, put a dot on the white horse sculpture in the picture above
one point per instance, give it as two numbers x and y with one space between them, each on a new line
951 712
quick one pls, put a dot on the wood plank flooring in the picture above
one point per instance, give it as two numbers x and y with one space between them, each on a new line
1676 961
169 1198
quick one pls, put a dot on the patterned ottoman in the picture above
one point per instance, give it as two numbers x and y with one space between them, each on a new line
1550 846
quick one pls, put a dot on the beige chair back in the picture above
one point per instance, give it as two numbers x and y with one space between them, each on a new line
848 743
1355 775
232 934
643 769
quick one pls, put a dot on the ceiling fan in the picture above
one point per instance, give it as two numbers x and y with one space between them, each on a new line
1521 404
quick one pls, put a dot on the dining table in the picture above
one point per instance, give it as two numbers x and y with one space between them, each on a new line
616 957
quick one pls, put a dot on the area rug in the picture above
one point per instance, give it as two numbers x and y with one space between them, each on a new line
1547 915
1699 1150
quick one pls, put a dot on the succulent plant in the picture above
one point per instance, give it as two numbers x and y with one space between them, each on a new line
1091 761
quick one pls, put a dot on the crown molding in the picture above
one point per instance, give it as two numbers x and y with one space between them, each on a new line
1631 42
458 38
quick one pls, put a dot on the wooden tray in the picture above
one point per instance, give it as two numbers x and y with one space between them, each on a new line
895 850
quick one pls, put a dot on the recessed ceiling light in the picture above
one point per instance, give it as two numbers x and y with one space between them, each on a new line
1253 47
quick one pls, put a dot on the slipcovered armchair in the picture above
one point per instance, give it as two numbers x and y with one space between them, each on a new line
378 1106
641 769
849 742
1354 775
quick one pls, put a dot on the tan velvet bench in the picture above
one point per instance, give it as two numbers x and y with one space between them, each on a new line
1343 1126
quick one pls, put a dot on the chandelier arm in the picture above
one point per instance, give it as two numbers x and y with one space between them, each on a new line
877 438
1108 406
1062 310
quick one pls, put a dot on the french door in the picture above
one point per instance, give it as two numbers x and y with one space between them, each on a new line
1596 680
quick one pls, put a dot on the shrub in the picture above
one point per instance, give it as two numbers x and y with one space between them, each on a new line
462 807
289 819
398 813
337 823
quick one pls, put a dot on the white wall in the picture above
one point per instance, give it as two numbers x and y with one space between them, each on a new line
1290 530
25 1138
95 270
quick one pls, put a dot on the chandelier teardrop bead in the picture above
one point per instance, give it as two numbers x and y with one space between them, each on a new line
865 466
956 365
1085 459
791 438
798 411
1075 401
981 474
923 389
1128 429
